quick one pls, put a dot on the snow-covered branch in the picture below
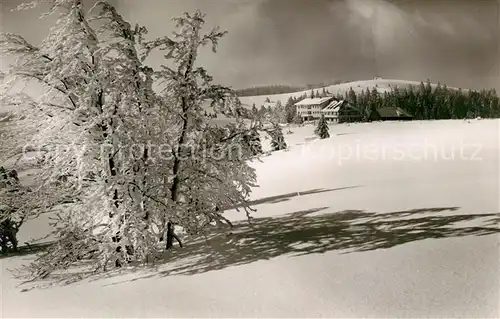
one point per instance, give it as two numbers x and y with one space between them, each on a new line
110 175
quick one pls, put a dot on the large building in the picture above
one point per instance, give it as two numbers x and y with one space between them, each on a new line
310 109
332 111
335 111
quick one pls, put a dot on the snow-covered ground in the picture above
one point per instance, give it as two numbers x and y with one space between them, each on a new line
382 86
380 220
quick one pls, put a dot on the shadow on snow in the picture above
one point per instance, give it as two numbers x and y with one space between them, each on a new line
286 197
29 249
40 247
299 233
312 231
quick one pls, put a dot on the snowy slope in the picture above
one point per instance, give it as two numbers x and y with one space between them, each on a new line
315 249
358 86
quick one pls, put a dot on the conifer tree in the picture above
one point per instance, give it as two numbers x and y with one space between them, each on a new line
322 128
253 143
277 139
297 119
254 110
280 112
376 101
352 97
262 111
494 105
425 102
290 110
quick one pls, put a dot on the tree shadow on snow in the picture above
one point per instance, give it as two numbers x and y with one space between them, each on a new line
300 234
34 248
27 249
286 197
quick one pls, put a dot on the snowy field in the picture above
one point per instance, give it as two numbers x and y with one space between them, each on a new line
381 220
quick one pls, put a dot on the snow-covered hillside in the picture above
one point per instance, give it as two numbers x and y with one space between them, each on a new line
382 85
380 220
358 86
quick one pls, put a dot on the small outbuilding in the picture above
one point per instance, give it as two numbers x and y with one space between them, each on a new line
391 114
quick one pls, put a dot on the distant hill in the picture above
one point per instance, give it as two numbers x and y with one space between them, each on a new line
268 90
358 86
281 89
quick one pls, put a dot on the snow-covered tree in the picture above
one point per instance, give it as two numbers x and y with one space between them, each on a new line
255 111
290 110
277 139
278 114
297 119
11 213
322 128
262 111
227 181
97 93
131 159
252 142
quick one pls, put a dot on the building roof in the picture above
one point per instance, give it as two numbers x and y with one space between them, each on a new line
393 112
333 106
314 101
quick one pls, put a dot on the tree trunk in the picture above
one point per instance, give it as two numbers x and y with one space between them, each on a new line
174 189
14 242
170 240
171 236
3 244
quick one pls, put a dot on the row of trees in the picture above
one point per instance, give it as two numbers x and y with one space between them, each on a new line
324 84
119 160
428 102
278 113
425 102
319 94
287 113
268 90
283 89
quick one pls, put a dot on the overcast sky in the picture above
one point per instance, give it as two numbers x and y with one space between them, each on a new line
305 41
